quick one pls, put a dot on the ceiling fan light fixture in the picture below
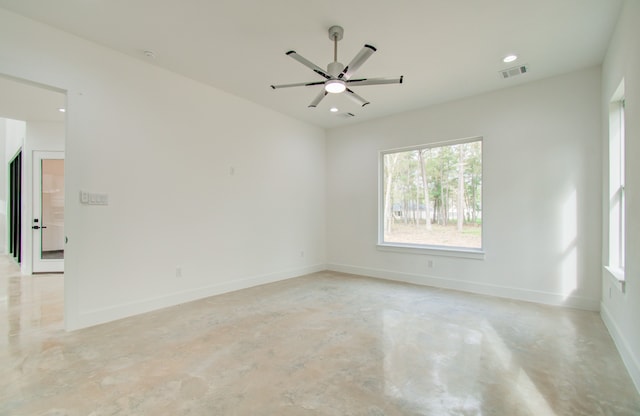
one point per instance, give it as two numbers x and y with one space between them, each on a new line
335 86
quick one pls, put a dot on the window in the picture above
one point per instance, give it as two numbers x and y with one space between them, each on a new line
616 184
431 196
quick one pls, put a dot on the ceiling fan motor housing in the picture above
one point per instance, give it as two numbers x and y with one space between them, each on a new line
334 69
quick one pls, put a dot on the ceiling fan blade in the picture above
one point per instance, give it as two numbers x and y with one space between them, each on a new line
315 68
375 81
299 84
357 61
355 97
318 98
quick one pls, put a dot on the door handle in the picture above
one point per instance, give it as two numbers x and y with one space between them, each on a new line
37 227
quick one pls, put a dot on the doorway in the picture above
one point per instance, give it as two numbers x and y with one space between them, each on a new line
48 212
15 207
32 119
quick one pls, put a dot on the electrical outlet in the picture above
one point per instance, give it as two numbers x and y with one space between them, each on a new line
430 264
178 271
302 253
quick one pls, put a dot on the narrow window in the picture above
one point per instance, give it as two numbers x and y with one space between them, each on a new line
431 196
616 184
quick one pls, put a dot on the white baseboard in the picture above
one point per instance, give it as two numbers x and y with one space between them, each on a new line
631 361
112 313
546 298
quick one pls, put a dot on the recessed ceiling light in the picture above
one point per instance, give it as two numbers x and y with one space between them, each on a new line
62 110
509 58
333 109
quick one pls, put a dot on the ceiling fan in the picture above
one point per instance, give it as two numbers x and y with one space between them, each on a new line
337 77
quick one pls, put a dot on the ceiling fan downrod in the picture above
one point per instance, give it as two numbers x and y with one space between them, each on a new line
335 68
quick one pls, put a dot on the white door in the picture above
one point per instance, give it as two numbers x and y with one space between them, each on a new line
48 212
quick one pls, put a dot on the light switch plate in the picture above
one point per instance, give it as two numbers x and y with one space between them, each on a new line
91 198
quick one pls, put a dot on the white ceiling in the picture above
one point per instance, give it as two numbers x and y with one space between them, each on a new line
20 100
446 49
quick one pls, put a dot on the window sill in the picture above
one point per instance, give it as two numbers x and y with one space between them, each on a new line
432 250
617 276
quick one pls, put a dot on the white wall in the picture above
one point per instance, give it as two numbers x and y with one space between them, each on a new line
16 132
163 148
621 311
542 211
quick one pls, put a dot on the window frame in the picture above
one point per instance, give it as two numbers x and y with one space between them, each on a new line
427 249
616 201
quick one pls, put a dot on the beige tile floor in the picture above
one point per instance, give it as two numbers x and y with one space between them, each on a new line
323 344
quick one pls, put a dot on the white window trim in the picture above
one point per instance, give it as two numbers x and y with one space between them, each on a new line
442 251
616 241
420 249
617 277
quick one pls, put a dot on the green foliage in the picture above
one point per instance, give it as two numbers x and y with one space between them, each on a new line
406 199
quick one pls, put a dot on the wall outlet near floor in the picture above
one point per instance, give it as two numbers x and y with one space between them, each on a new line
178 271
430 263
301 253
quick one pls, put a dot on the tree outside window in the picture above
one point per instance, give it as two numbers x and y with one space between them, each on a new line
432 196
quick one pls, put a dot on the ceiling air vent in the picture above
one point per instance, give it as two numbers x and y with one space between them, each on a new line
512 72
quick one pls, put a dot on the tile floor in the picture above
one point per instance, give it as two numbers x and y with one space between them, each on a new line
323 344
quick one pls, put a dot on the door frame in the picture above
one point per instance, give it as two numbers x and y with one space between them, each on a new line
14 205
39 265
